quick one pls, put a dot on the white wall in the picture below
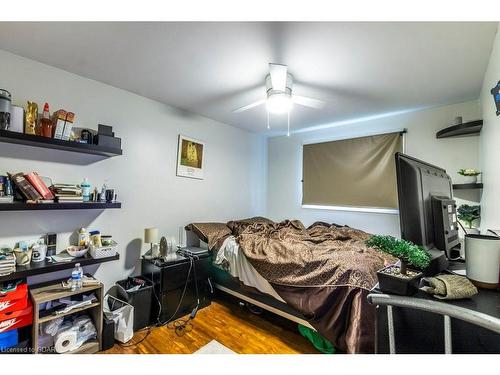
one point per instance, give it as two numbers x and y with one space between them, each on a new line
490 144
144 176
285 161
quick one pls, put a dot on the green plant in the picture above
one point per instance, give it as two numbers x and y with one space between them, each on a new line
469 172
469 214
407 252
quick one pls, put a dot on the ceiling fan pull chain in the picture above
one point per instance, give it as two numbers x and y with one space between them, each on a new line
288 132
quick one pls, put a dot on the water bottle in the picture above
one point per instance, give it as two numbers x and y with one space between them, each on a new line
85 185
76 277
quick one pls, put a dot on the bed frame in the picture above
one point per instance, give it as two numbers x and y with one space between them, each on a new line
225 283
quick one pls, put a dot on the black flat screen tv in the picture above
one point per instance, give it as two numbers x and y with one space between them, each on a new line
418 182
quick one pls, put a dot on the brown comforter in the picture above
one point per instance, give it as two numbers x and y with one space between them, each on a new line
325 272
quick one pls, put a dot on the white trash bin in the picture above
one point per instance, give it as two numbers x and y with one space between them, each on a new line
122 314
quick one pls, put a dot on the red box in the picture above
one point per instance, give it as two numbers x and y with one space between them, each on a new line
16 319
14 300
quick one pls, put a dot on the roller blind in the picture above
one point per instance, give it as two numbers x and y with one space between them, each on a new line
357 172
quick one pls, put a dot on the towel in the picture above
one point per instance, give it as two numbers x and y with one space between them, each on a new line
449 287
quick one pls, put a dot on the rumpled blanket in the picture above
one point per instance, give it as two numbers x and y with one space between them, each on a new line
324 271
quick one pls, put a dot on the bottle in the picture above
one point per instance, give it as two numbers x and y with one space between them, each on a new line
8 187
85 185
83 237
46 123
103 192
76 277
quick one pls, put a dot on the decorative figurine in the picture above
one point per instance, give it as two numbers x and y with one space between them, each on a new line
31 118
495 91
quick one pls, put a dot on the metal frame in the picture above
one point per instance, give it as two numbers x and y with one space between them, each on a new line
262 305
448 311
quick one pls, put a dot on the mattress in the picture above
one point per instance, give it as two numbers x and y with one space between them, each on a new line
231 259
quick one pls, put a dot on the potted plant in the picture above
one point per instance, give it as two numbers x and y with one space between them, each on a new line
469 214
469 175
400 279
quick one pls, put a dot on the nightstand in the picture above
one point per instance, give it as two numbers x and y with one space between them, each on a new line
169 278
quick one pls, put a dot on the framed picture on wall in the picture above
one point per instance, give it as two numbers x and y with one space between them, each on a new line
190 157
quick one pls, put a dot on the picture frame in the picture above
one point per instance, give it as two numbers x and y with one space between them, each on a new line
190 158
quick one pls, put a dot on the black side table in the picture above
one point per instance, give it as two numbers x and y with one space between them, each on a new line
414 329
175 285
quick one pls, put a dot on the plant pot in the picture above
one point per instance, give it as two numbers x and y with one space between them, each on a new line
469 179
396 284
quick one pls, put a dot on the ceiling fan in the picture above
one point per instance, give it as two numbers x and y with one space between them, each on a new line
279 94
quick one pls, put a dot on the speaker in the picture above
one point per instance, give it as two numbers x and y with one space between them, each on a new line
108 333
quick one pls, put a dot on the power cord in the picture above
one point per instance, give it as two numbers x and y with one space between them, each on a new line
149 328
180 326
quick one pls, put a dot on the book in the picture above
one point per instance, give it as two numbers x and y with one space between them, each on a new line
26 189
7 199
35 180
68 199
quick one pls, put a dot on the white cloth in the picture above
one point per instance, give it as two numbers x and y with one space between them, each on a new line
240 267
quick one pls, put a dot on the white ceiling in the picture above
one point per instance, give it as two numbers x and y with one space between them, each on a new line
359 69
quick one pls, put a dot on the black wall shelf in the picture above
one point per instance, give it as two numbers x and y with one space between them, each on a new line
467 186
57 144
23 206
39 268
467 128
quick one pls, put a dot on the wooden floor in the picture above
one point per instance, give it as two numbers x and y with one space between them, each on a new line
230 324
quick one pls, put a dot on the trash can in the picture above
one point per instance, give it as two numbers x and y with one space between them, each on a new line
138 292
122 314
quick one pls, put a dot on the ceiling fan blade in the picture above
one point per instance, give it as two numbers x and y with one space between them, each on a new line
278 74
308 102
249 106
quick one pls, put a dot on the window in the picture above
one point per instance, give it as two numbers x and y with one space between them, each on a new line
356 173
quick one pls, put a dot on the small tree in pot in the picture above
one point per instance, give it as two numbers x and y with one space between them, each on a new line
469 213
400 280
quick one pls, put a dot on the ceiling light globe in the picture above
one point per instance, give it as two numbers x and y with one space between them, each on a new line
279 103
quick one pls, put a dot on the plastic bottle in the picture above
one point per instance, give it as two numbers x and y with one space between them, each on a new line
103 192
83 237
76 277
45 122
85 185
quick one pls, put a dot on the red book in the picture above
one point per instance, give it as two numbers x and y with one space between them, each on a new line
35 180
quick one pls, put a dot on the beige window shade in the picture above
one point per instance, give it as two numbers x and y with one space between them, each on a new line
357 172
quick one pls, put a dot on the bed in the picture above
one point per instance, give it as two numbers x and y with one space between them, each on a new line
317 276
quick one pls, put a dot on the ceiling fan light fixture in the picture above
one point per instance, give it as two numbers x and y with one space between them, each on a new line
279 103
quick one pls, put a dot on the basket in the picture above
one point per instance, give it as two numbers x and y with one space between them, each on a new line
98 252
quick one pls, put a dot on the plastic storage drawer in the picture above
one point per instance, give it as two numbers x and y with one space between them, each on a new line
16 319
14 300
8 339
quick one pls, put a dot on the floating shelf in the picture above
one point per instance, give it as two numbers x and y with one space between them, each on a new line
57 144
23 206
467 186
467 128
39 268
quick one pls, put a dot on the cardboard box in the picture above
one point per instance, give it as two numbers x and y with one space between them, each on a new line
59 121
68 125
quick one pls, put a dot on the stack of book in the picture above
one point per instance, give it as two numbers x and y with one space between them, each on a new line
32 187
67 193
7 264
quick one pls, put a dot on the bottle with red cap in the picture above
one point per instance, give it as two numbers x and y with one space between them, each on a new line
46 123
